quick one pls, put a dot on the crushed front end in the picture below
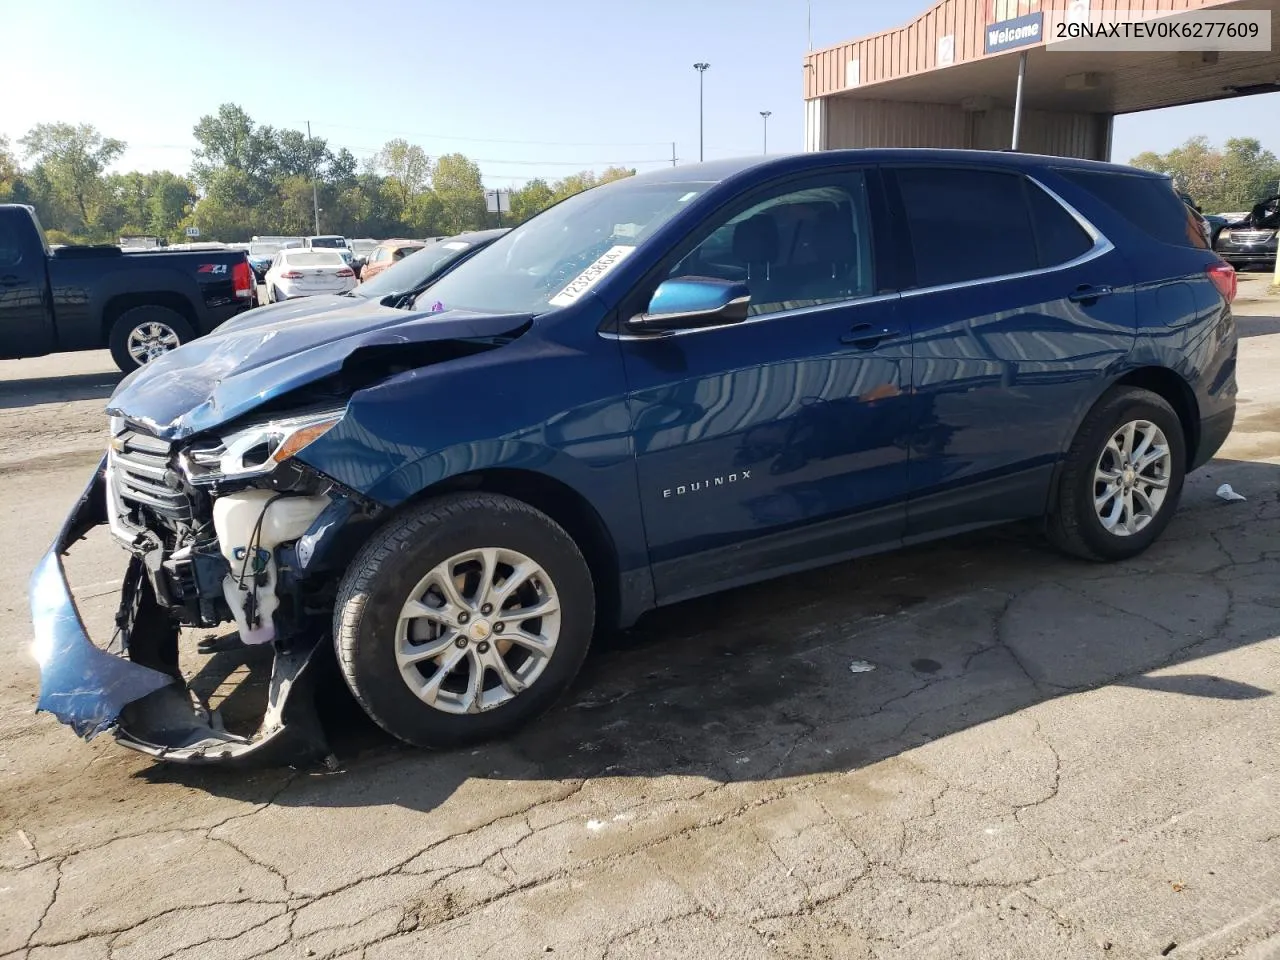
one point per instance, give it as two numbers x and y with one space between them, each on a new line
224 527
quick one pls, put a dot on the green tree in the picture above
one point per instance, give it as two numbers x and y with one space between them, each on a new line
230 140
1250 173
458 184
531 199
424 215
407 168
170 199
73 160
616 173
10 176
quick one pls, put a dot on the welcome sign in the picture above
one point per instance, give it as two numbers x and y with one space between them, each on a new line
1018 32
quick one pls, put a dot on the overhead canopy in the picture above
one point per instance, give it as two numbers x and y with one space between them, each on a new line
909 64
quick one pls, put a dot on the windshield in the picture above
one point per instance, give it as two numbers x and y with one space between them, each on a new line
331 242
364 247
313 258
414 270
559 255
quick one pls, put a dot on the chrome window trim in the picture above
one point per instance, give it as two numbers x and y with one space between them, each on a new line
794 312
1101 247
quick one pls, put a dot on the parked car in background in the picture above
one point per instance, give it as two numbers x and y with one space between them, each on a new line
386 253
304 272
1253 240
262 250
685 381
331 242
139 305
400 284
360 250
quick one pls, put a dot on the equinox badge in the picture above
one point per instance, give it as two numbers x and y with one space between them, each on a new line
699 486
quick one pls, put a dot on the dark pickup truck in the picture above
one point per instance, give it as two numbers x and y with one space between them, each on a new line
140 305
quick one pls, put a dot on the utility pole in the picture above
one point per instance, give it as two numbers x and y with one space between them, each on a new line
673 153
766 114
315 197
702 69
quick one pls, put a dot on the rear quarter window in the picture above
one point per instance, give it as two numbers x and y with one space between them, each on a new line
1149 203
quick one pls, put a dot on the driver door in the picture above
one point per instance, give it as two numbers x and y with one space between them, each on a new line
780 442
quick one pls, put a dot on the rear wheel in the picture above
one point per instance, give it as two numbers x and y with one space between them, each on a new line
140 335
1122 479
464 620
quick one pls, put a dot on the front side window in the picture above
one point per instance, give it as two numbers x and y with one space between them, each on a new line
799 249
966 224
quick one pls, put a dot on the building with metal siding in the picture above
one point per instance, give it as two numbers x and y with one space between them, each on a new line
931 83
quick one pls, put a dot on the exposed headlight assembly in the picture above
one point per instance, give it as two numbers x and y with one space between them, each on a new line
255 450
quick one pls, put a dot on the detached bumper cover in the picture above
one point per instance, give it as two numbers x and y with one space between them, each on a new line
146 704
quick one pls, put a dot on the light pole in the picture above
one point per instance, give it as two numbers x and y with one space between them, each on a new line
766 114
701 68
315 197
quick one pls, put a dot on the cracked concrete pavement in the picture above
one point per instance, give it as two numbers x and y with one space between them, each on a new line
1049 759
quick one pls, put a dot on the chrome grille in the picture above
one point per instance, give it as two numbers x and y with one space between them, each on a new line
1251 236
141 476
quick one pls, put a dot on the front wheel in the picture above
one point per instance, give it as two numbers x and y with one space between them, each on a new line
142 334
463 620
1122 477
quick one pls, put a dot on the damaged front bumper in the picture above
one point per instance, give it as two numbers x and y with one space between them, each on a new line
138 693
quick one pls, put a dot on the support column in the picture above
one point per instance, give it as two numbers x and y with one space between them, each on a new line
1017 100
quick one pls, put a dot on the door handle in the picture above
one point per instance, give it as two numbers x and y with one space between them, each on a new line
867 336
1086 293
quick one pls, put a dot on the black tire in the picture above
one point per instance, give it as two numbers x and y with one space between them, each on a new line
131 320
381 577
274 296
1073 522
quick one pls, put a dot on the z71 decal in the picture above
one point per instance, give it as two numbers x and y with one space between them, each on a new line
212 268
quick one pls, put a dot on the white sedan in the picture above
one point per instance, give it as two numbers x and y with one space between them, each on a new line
298 272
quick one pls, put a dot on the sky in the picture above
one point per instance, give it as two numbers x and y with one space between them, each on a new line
526 89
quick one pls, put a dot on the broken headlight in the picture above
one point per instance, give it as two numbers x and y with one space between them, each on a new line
254 450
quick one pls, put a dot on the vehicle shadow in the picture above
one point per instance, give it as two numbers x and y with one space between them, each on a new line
74 386
1256 326
837 669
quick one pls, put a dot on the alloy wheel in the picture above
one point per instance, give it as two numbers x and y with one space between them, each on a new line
150 340
1131 478
477 630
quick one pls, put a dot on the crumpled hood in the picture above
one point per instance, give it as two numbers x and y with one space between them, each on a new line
268 352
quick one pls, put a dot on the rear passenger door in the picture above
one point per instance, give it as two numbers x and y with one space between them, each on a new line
1016 306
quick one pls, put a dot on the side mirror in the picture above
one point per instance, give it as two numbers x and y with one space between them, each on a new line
690 303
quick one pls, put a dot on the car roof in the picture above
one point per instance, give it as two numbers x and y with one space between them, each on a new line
715 171
401 242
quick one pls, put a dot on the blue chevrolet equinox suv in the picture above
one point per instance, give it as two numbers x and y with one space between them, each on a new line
674 384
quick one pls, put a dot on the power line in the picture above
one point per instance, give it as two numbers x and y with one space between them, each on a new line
445 136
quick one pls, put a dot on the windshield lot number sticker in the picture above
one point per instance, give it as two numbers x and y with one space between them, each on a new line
589 277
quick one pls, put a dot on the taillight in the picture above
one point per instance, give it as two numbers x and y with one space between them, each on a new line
291 275
242 279
1223 276
345 272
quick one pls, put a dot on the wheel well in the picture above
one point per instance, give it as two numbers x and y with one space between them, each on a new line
127 301
1177 392
566 507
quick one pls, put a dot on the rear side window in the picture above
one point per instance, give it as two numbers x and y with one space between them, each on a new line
966 224
1149 203
10 242
1059 237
